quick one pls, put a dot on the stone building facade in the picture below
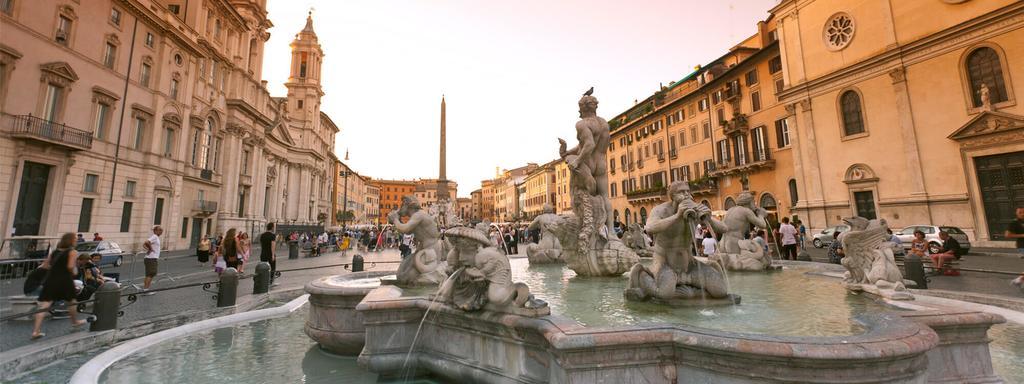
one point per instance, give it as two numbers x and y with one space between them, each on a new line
352 189
476 205
487 201
391 192
906 111
540 189
118 115
718 128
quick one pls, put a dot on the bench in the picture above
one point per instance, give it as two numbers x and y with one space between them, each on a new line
953 264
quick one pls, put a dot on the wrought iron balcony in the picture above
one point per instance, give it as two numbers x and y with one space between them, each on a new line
35 128
756 162
205 206
704 186
661 157
656 193
673 153
737 125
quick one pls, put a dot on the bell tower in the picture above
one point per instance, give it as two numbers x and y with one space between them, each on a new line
304 91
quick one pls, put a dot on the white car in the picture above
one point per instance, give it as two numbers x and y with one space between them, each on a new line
824 238
931 234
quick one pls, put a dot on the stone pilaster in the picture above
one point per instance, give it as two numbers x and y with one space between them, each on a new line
911 153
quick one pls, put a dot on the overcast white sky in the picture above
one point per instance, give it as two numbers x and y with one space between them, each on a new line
511 71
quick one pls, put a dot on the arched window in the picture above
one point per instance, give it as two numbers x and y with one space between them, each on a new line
768 202
627 216
706 203
793 196
729 203
643 216
615 215
983 67
853 118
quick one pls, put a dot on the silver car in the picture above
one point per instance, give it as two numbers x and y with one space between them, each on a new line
110 253
931 234
824 238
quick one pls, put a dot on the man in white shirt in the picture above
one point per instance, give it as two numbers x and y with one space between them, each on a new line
710 245
789 234
152 247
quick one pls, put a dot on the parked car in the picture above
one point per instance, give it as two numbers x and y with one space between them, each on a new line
931 234
824 238
109 251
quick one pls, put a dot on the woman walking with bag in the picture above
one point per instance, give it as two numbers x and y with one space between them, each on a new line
59 283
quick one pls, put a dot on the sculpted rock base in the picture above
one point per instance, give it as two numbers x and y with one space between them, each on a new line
702 283
539 255
612 261
751 258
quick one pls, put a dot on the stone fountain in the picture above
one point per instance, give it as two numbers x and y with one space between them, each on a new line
483 327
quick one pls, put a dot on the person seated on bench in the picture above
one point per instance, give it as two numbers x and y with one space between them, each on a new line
95 262
950 251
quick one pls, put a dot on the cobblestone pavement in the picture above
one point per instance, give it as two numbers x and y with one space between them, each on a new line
185 271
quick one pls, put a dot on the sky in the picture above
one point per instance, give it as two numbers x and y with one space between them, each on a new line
510 71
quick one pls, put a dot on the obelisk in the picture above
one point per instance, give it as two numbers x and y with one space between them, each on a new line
442 182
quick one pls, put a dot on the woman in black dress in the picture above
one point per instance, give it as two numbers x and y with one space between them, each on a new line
59 284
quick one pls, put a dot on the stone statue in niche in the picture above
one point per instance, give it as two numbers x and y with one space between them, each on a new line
733 253
481 277
986 97
637 240
594 251
869 260
675 277
549 248
424 267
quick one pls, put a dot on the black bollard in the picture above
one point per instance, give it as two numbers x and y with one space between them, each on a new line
914 270
108 303
261 281
293 249
357 263
227 292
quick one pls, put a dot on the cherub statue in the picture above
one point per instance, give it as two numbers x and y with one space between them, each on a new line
481 274
869 258
549 249
425 266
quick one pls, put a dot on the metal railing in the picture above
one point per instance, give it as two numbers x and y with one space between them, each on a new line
205 206
38 128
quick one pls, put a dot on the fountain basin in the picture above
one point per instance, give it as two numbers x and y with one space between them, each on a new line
495 347
333 321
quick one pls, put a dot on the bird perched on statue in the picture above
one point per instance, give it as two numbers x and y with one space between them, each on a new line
589 92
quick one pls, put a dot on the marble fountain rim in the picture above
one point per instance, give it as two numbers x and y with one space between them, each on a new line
322 286
887 334
92 370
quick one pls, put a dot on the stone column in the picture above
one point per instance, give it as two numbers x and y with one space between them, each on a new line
794 143
914 175
230 171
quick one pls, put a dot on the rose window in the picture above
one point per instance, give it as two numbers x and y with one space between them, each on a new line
838 31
